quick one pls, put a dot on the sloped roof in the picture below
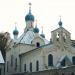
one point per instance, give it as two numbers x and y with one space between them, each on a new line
28 37
46 41
1 58
60 29
61 59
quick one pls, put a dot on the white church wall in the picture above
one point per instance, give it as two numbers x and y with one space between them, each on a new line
22 48
39 40
32 56
8 53
57 55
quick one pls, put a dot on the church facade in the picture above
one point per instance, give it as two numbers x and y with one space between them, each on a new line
31 52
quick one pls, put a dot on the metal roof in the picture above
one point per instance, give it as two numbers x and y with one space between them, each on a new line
28 37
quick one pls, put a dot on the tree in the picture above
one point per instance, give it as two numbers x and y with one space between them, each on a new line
4 37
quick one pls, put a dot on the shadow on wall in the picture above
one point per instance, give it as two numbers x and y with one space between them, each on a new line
60 71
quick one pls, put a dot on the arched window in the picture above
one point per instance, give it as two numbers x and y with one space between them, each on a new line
63 62
7 65
64 37
37 44
73 60
57 36
25 67
16 64
37 65
50 60
11 60
30 67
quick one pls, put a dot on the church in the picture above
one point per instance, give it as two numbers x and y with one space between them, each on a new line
32 52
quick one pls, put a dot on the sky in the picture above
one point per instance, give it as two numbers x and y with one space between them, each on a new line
46 12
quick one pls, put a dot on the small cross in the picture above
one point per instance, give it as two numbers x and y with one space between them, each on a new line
42 29
60 18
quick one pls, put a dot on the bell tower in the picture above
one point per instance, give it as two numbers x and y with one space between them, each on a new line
60 36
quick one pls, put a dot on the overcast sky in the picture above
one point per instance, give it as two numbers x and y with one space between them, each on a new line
46 12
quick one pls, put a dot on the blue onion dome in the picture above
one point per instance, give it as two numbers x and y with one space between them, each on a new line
60 23
29 16
15 32
42 35
36 30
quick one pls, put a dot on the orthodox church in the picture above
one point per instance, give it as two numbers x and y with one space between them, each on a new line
31 52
